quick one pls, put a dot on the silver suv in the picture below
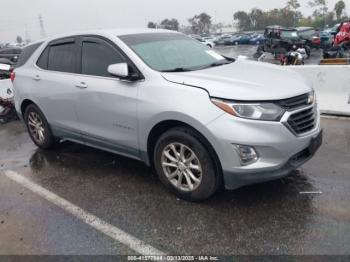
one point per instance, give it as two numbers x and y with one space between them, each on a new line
200 119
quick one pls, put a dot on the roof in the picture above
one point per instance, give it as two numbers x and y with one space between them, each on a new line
280 28
115 32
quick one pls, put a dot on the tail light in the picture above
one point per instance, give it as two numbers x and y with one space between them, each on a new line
12 76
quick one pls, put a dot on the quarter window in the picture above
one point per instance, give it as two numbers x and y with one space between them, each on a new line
96 57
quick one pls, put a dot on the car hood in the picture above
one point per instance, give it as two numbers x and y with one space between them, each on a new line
244 80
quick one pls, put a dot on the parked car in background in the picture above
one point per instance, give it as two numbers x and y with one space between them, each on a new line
7 108
316 42
208 41
200 119
257 39
244 39
224 40
308 34
340 47
280 40
327 36
11 53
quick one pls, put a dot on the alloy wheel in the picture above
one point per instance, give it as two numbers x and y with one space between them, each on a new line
36 127
182 167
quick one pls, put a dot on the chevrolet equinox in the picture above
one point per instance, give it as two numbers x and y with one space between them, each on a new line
202 120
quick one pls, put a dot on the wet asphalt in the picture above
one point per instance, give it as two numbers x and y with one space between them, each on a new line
271 218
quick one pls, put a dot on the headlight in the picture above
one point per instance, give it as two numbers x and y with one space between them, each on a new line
256 111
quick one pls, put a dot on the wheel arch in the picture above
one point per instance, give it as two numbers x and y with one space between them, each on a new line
25 103
165 125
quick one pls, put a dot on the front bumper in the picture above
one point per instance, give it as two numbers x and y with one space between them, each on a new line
234 180
280 151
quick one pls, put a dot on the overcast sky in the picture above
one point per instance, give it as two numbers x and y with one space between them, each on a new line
69 15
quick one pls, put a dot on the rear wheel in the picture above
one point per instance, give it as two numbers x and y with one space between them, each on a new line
185 166
38 128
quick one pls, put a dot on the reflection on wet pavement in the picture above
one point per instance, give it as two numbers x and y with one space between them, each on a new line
269 218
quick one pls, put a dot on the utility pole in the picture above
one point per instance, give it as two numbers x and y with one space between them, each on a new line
26 35
42 27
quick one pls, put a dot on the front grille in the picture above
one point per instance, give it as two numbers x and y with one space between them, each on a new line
294 102
303 122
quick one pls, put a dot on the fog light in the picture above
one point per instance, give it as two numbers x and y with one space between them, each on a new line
247 154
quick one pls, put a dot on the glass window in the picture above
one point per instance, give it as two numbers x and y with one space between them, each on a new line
62 57
43 59
289 34
172 51
96 58
27 53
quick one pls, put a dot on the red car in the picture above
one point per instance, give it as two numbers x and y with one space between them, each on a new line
316 41
343 34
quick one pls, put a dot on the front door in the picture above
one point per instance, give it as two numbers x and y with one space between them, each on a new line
106 106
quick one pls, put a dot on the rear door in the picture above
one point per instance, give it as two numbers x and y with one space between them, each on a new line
106 106
55 90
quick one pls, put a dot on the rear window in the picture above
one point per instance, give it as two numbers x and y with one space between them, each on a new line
59 57
27 53
62 58
307 33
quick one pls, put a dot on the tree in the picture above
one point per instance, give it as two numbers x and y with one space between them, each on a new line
200 23
339 9
321 9
19 39
320 5
151 25
293 5
243 20
172 24
255 17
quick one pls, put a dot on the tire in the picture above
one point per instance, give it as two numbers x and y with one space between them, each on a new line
308 51
38 128
205 171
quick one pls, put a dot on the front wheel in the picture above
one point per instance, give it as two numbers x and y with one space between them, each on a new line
185 166
38 127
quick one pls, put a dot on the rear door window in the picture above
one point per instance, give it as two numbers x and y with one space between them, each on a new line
97 55
62 57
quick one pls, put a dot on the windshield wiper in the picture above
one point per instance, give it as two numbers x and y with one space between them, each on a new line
215 64
177 69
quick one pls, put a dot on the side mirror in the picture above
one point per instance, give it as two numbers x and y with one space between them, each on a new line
119 70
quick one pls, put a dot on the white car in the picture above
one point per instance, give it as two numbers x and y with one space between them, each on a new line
6 88
209 42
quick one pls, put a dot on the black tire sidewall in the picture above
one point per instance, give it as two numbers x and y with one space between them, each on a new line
49 138
187 137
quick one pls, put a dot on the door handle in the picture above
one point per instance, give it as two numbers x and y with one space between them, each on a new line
37 78
81 85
